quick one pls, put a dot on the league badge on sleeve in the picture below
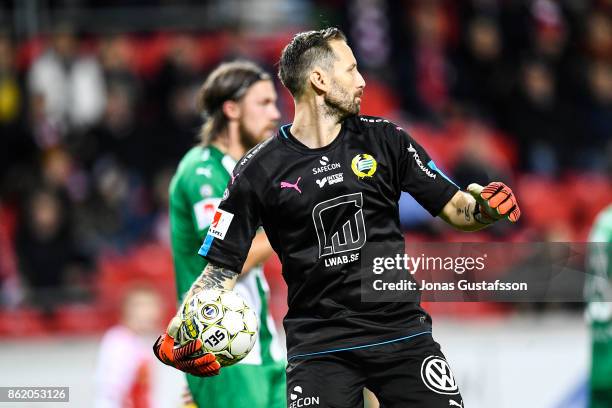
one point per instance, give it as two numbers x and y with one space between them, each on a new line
220 224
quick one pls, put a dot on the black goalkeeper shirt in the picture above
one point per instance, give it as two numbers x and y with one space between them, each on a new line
319 208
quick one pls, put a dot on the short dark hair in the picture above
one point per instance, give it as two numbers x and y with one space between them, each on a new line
305 50
228 82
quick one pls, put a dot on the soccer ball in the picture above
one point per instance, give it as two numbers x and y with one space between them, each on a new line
224 323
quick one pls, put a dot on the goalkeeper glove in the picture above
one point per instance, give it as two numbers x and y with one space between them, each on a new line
181 357
495 201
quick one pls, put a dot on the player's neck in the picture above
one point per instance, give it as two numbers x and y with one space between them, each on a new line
312 126
229 144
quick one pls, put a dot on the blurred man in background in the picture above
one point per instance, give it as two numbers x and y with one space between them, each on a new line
125 366
70 86
239 102
49 258
599 311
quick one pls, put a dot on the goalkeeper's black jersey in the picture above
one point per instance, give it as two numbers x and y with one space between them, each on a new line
319 207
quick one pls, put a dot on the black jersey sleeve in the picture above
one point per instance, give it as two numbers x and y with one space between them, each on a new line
419 175
234 225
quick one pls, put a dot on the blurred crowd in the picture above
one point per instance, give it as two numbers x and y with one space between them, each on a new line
93 126
539 70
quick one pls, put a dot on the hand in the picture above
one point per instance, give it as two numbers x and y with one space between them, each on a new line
496 201
180 357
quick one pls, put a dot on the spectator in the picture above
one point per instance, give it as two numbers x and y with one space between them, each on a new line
597 119
45 248
11 92
118 212
71 86
542 124
482 76
177 86
16 148
119 136
424 68
599 36
123 96
115 56
550 32
124 372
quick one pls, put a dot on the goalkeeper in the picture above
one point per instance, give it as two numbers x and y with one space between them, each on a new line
322 188
239 101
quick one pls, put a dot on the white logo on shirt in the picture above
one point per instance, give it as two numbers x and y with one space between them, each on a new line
419 163
204 211
332 179
204 171
325 166
348 235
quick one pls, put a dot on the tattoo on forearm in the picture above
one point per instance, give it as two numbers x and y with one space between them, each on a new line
467 212
213 277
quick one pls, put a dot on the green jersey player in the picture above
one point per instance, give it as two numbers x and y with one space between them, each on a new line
599 311
239 101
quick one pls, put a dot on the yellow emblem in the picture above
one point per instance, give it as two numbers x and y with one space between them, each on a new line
189 325
364 165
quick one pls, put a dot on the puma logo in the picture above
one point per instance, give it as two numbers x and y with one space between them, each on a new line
452 403
286 184
204 171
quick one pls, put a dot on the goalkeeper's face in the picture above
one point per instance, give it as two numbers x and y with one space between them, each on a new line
259 114
343 98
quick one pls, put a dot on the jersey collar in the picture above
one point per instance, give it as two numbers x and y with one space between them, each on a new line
228 163
286 137
226 160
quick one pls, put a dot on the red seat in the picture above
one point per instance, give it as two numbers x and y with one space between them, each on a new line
544 202
22 323
82 319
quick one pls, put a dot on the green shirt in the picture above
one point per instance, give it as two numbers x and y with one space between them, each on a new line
598 292
195 192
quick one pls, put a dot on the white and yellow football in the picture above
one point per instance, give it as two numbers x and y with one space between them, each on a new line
224 323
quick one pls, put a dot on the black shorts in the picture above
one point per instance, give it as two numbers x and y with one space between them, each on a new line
411 373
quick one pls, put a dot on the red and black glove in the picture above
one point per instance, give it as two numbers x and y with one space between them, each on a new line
181 357
495 201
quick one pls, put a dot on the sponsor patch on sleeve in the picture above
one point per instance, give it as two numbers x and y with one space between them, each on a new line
204 211
220 224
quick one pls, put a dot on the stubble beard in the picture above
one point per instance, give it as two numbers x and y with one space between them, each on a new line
340 104
249 140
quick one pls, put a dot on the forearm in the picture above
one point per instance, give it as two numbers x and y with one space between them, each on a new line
213 277
260 251
460 212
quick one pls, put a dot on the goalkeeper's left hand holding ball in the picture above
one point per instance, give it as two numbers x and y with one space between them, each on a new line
181 357
495 201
